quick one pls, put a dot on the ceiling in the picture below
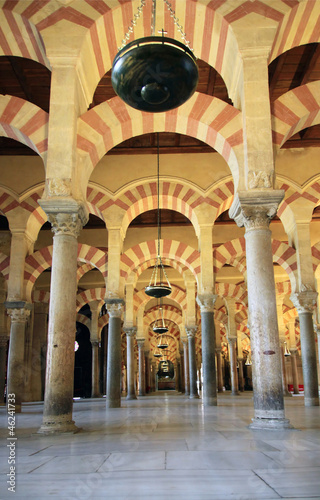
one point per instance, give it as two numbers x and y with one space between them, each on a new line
30 80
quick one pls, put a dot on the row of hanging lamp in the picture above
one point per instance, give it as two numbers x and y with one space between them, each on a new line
158 287
159 325
155 73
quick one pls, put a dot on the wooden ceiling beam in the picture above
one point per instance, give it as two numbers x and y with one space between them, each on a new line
314 56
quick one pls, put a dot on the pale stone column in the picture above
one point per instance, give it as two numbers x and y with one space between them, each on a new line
294 354
191 333
254 211
240 363
153 376
94 337
176 373
282 338
206 303
39 347
182 381
304 303
186 366
142 388
19 313
219 370
67 221
147 371
4 337
115 309
232 341
130 333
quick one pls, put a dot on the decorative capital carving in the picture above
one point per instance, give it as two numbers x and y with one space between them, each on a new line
140 343
255 209
115 307
191 331
66 215
95 343
232 340
59 187
67 224
130 331
19 315
304 302
206 302
260 179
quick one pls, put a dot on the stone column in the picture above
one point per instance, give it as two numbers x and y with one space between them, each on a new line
219 370
191 333
241 377
95 392
142 389
294 367
176 373
115 309
232 341
131 391
186 366
254 211
19 313
67 222
147 372
206 303
286 392
39 347
182 382
304 303
153 379
4 337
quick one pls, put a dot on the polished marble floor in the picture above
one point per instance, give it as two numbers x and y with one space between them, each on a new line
164 446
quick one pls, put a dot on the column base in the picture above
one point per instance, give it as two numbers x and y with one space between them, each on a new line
270 424
131 396
235 393
311 401
113 403
194 396
58 425
211 401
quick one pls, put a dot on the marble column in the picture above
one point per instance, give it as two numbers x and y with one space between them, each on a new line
142 387
4 337
95 391
115 307
286 392
191 333
131 391
294 367
182 383
241 377
176 374
206 303
219 370
66 222
304 303
186 366
16 373
147 371
254 209
39 348
232 341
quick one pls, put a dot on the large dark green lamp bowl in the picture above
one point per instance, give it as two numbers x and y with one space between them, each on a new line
155 74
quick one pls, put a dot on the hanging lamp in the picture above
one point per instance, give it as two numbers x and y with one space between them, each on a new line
158 288
159 325
248 361
286 351
163 342
157 354
155 73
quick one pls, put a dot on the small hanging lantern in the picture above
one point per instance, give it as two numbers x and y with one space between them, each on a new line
163 342
154 74
248 361
157 354
286 351
158 288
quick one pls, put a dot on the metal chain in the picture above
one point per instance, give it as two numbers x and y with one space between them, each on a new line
178 25
132 25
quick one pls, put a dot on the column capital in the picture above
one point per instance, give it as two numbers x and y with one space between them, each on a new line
140 343
130 331
95 343
66 215
147 352
184 341
19 315
115 307
304 301
232 340
254 209
191 331
206 302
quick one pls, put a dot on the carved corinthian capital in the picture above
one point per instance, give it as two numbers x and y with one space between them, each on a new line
206 302
255 209
130 331
115 307
67 216
304 302
19 315
191 331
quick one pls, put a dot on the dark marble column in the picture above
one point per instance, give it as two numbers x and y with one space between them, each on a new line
115 309
191 333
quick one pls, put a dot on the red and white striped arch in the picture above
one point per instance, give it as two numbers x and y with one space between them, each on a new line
170 313
83 269
7 202
166 262
294 111
4 265
203 117
299 26
19 35
94 256
283 288
41 296
226 253
103 321
234 291
90 295
315 250
140 299
24 122
169 249
286 257
84 320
